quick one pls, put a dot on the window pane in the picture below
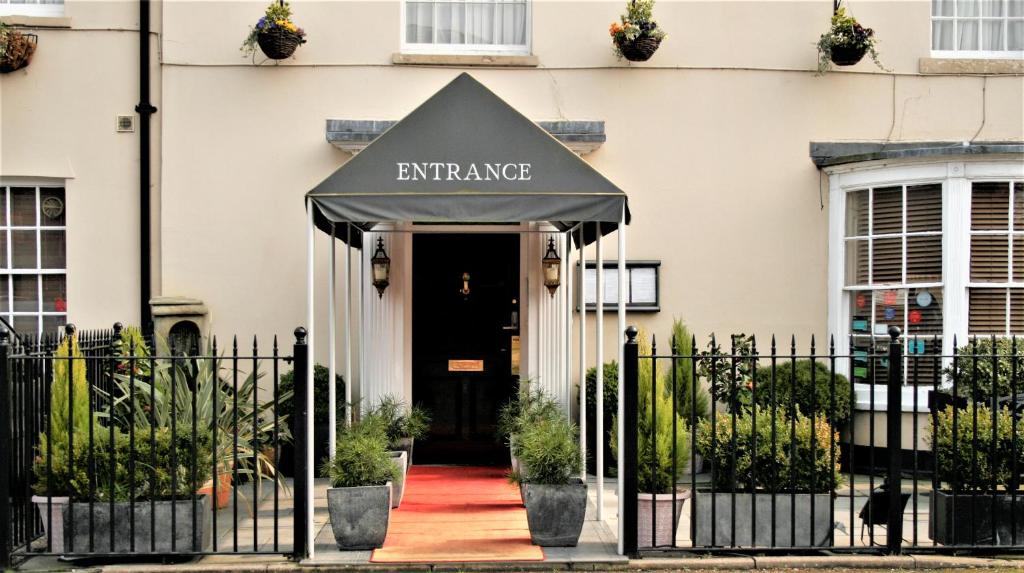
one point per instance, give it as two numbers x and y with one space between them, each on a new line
889 306
3 249
924 311
888 211
1017 312
942 35
53 323
55 293
990 206
967 7
51 203
26 293
611 286
1015 35
3 206
418 26
989 258
991 8
942 7
5 301
992 35
643 285
1018 258
986 311
23 206
967 32
1016 8
924 208
52 249
857 262
857 213
23 249
887 260
924 259
27 324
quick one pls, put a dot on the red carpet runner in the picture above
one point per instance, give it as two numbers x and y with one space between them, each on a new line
458 514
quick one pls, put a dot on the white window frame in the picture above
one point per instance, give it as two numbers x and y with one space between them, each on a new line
466 49
956 177
980 18
8 273
8 8
1009 283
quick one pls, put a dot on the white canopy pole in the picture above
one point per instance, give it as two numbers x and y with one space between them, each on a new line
362 321
332 318
582 304
566 296
621 385
599 380
348 324
310 338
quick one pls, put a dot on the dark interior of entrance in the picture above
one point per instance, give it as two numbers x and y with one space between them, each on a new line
465 292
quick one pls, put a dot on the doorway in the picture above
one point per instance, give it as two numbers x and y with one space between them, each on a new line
465 305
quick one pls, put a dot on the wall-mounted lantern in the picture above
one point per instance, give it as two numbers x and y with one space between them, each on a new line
381 268
552 268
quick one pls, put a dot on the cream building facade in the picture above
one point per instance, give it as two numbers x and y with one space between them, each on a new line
712 139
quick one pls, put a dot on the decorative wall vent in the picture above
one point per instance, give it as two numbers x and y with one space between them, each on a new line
126 124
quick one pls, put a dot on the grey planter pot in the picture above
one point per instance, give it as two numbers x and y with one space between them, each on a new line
405 445
974 519
401 461
658 509
56 510
153 524
555 513
359 515
788 533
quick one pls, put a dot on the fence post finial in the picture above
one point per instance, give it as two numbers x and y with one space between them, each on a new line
631 334
894 332
300 335
69 329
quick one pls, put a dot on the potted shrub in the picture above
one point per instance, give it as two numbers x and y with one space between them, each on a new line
638 36
657 457
554 495
692 398
748 470
402 424
359 499
400 458
16 48
846 42
275 33
529 406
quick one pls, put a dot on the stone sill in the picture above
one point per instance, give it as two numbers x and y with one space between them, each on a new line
977 66
37 21
494 60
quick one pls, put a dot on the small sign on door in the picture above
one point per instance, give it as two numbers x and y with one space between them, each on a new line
465 365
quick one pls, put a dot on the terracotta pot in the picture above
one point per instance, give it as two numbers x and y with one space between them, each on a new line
223 490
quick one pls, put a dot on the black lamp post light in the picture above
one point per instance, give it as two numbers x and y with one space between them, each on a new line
381 268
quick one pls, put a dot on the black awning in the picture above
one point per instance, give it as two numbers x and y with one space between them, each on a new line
466 156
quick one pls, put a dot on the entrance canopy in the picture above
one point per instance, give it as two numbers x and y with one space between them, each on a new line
466 156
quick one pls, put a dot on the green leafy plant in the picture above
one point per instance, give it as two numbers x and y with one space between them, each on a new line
846 32
986 366
530 406
361 458
321 406
657 451
637 22
803 392
550 452
729 370
691 397
400 421
964 457
277 16
747 457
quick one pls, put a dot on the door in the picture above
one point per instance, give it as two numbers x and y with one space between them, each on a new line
465 292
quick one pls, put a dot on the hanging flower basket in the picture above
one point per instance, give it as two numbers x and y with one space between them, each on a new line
847 55
640 49
278 43
17 49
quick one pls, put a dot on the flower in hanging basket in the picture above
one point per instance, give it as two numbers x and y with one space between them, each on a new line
274 33
846 42
16 49
638 36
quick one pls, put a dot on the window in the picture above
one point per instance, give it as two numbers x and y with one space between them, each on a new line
978 28
33 275
467 26
641 282
31 7
996 288
893 243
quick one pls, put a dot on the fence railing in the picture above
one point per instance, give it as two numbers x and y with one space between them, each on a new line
738 450
111 448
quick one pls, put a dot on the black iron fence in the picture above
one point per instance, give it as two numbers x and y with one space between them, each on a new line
732 449
112 447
